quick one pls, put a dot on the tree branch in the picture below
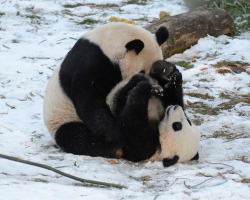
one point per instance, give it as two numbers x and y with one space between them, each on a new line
62 173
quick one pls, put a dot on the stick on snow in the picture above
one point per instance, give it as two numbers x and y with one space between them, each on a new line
62 173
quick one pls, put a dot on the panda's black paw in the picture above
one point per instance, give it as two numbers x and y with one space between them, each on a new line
162 70
169 162
140 93
174 81
196 157
157 90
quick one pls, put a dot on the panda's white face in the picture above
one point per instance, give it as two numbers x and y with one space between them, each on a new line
113 38
178 137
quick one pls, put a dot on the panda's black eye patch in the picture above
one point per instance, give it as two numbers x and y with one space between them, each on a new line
177 126
143 71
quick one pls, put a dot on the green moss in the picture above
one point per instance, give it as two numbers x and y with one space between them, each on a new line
184 64
29 9
239 10
218 134
198 121
204 80
199 95
224 96
73 5
229 105
68 12
236 66
108 5
245 180
200 107
33 16
15 41
40 180
138 2
89 21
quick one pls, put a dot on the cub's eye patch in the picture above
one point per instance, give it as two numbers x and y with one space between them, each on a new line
177 126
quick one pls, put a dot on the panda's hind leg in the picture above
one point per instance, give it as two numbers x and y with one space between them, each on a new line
76 138
141 136
196 157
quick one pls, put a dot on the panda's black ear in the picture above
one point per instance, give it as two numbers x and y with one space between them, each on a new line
136 45
161 35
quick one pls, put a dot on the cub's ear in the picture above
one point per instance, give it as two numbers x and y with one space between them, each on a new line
161 35
136 45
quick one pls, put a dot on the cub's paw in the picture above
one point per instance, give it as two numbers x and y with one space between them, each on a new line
141 91
162 70
157 90
174 81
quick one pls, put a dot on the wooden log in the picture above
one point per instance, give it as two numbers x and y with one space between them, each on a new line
186 29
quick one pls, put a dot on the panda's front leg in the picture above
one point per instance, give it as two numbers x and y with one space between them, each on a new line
122 94
141 137
169 77
173 92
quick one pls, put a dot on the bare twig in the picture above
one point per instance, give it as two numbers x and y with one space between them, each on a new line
62 173
6 128
218 175
12 107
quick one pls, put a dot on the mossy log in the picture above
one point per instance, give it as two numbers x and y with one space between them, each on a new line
186 29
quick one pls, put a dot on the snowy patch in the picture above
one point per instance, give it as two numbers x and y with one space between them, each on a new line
34 38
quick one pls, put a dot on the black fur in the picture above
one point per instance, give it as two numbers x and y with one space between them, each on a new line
161 35
136 45
87 76
76 138
141 136
169 77
121 96
177 126
196 157
169 162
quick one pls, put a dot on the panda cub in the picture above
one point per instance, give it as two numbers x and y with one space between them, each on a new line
179 138
140 104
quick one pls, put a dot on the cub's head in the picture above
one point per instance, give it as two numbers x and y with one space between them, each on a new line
133 48
179 138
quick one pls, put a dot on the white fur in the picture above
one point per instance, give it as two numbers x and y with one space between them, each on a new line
183 143
57 107
155 107
111 38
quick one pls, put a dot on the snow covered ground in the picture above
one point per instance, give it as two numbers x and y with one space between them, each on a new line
35 36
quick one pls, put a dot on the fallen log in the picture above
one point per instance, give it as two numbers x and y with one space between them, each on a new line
186 29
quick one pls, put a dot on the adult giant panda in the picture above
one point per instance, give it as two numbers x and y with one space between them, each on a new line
75 109
140 104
